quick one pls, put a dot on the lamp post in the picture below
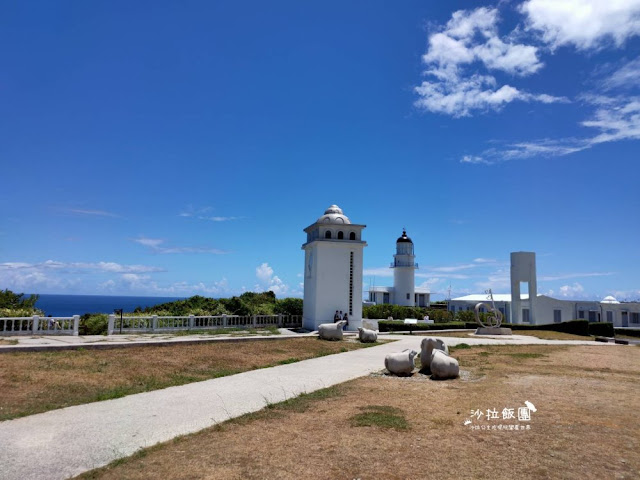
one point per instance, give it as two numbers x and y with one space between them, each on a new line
119 311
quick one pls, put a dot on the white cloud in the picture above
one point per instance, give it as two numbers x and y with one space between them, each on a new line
430 283
378 272
92 213
575 290
484 260
620 121
453 268
149 242
156 245
460 97
55 276
625 76
444 276
615 118
144 284
79 266
268 281
201 214
497 281
510 58
264 273
567 276
190 211
626 295
471 37
135 280
475 159
464 24
585 24
220 219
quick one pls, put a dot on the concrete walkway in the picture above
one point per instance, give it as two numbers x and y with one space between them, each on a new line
66 442
68 342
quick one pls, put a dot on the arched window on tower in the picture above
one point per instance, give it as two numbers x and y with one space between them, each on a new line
340 235
327 234
352 236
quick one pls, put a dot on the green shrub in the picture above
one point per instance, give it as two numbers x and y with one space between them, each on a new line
15 305
396 326
603 329
576 327
93 324
196 305
400 313
289 306
467 316
249 303
631 332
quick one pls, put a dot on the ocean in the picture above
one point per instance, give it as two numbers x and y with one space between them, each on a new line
68 305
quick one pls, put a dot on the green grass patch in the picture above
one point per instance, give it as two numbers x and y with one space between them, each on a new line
288 360
460 346
382 416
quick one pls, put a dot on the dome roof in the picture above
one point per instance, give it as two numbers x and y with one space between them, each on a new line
609 299
334 214
404 237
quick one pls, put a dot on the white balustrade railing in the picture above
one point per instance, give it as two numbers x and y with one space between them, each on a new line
191 322
38 325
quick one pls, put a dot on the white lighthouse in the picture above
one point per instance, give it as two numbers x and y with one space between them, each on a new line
332 270
404 267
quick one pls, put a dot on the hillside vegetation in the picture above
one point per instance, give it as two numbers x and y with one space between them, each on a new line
248 303
16 305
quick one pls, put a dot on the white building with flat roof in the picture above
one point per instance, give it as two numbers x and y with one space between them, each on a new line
404 292
535 309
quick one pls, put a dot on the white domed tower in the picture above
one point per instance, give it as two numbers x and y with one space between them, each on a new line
404 267
332 270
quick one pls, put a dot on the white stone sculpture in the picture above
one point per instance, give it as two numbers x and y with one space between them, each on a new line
493 317
367 336
331 331
400 363
426 348
443 366
435 358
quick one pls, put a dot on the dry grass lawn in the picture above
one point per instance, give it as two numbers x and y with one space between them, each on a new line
34 382
586 425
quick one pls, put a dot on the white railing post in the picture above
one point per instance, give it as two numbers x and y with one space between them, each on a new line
76 324
111 324
192 320
154 323
253 321
36 323
280 324
224 320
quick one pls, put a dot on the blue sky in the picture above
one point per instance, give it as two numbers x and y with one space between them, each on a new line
171 149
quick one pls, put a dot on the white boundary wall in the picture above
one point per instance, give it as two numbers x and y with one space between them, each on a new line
154 323
38 325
